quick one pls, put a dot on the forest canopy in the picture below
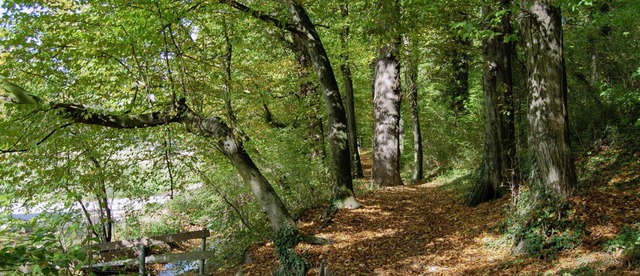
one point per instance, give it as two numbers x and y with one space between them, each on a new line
128 119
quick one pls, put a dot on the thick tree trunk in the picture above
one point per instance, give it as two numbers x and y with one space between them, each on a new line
308 90
386 108
552 167
343 195
387 95
411 73
498 167
348 90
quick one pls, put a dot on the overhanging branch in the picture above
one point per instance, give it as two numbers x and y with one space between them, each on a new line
262 16
80 114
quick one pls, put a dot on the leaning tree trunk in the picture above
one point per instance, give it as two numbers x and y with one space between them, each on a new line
548 137
342 194
348 90
342 188
386 101
179 112
411 73
497 171
233 149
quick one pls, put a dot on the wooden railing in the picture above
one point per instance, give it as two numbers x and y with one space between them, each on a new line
131 252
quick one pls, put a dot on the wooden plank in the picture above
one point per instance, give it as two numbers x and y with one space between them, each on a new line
108 256
165 258
151 240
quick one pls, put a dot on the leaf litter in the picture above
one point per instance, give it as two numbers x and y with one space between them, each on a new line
427 230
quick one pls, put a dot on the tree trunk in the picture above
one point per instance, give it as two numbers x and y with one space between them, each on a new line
342 194
106 219
386 100
308 90
498 167
411 72
233 149
348 90
552 167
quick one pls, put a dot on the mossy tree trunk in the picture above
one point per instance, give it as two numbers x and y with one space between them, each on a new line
342 192
342 188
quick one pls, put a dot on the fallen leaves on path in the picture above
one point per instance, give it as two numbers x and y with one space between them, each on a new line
426 230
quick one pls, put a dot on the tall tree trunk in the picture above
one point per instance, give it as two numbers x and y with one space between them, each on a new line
308 90
411 73
342 193
342 187
548 138
497 171
348 90
386 100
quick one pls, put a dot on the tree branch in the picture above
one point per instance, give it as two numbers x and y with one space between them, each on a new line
80 114
39 142
262 16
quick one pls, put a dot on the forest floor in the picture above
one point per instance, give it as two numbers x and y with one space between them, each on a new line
426 229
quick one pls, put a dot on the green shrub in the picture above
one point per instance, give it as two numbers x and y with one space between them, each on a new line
542 225
582 270
628 240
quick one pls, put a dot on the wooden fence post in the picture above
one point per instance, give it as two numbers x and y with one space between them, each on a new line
143 256
203 247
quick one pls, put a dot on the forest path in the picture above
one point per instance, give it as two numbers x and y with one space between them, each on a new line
404 230
426 230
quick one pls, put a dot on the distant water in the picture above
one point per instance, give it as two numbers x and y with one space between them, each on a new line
178 268
23 216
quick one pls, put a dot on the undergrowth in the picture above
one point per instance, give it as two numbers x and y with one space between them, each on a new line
628 243
290 262
543 225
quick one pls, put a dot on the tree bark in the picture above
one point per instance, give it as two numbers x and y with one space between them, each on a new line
497 171
411 73
307 89
548 138
386 100
348 90
342 194
270 202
